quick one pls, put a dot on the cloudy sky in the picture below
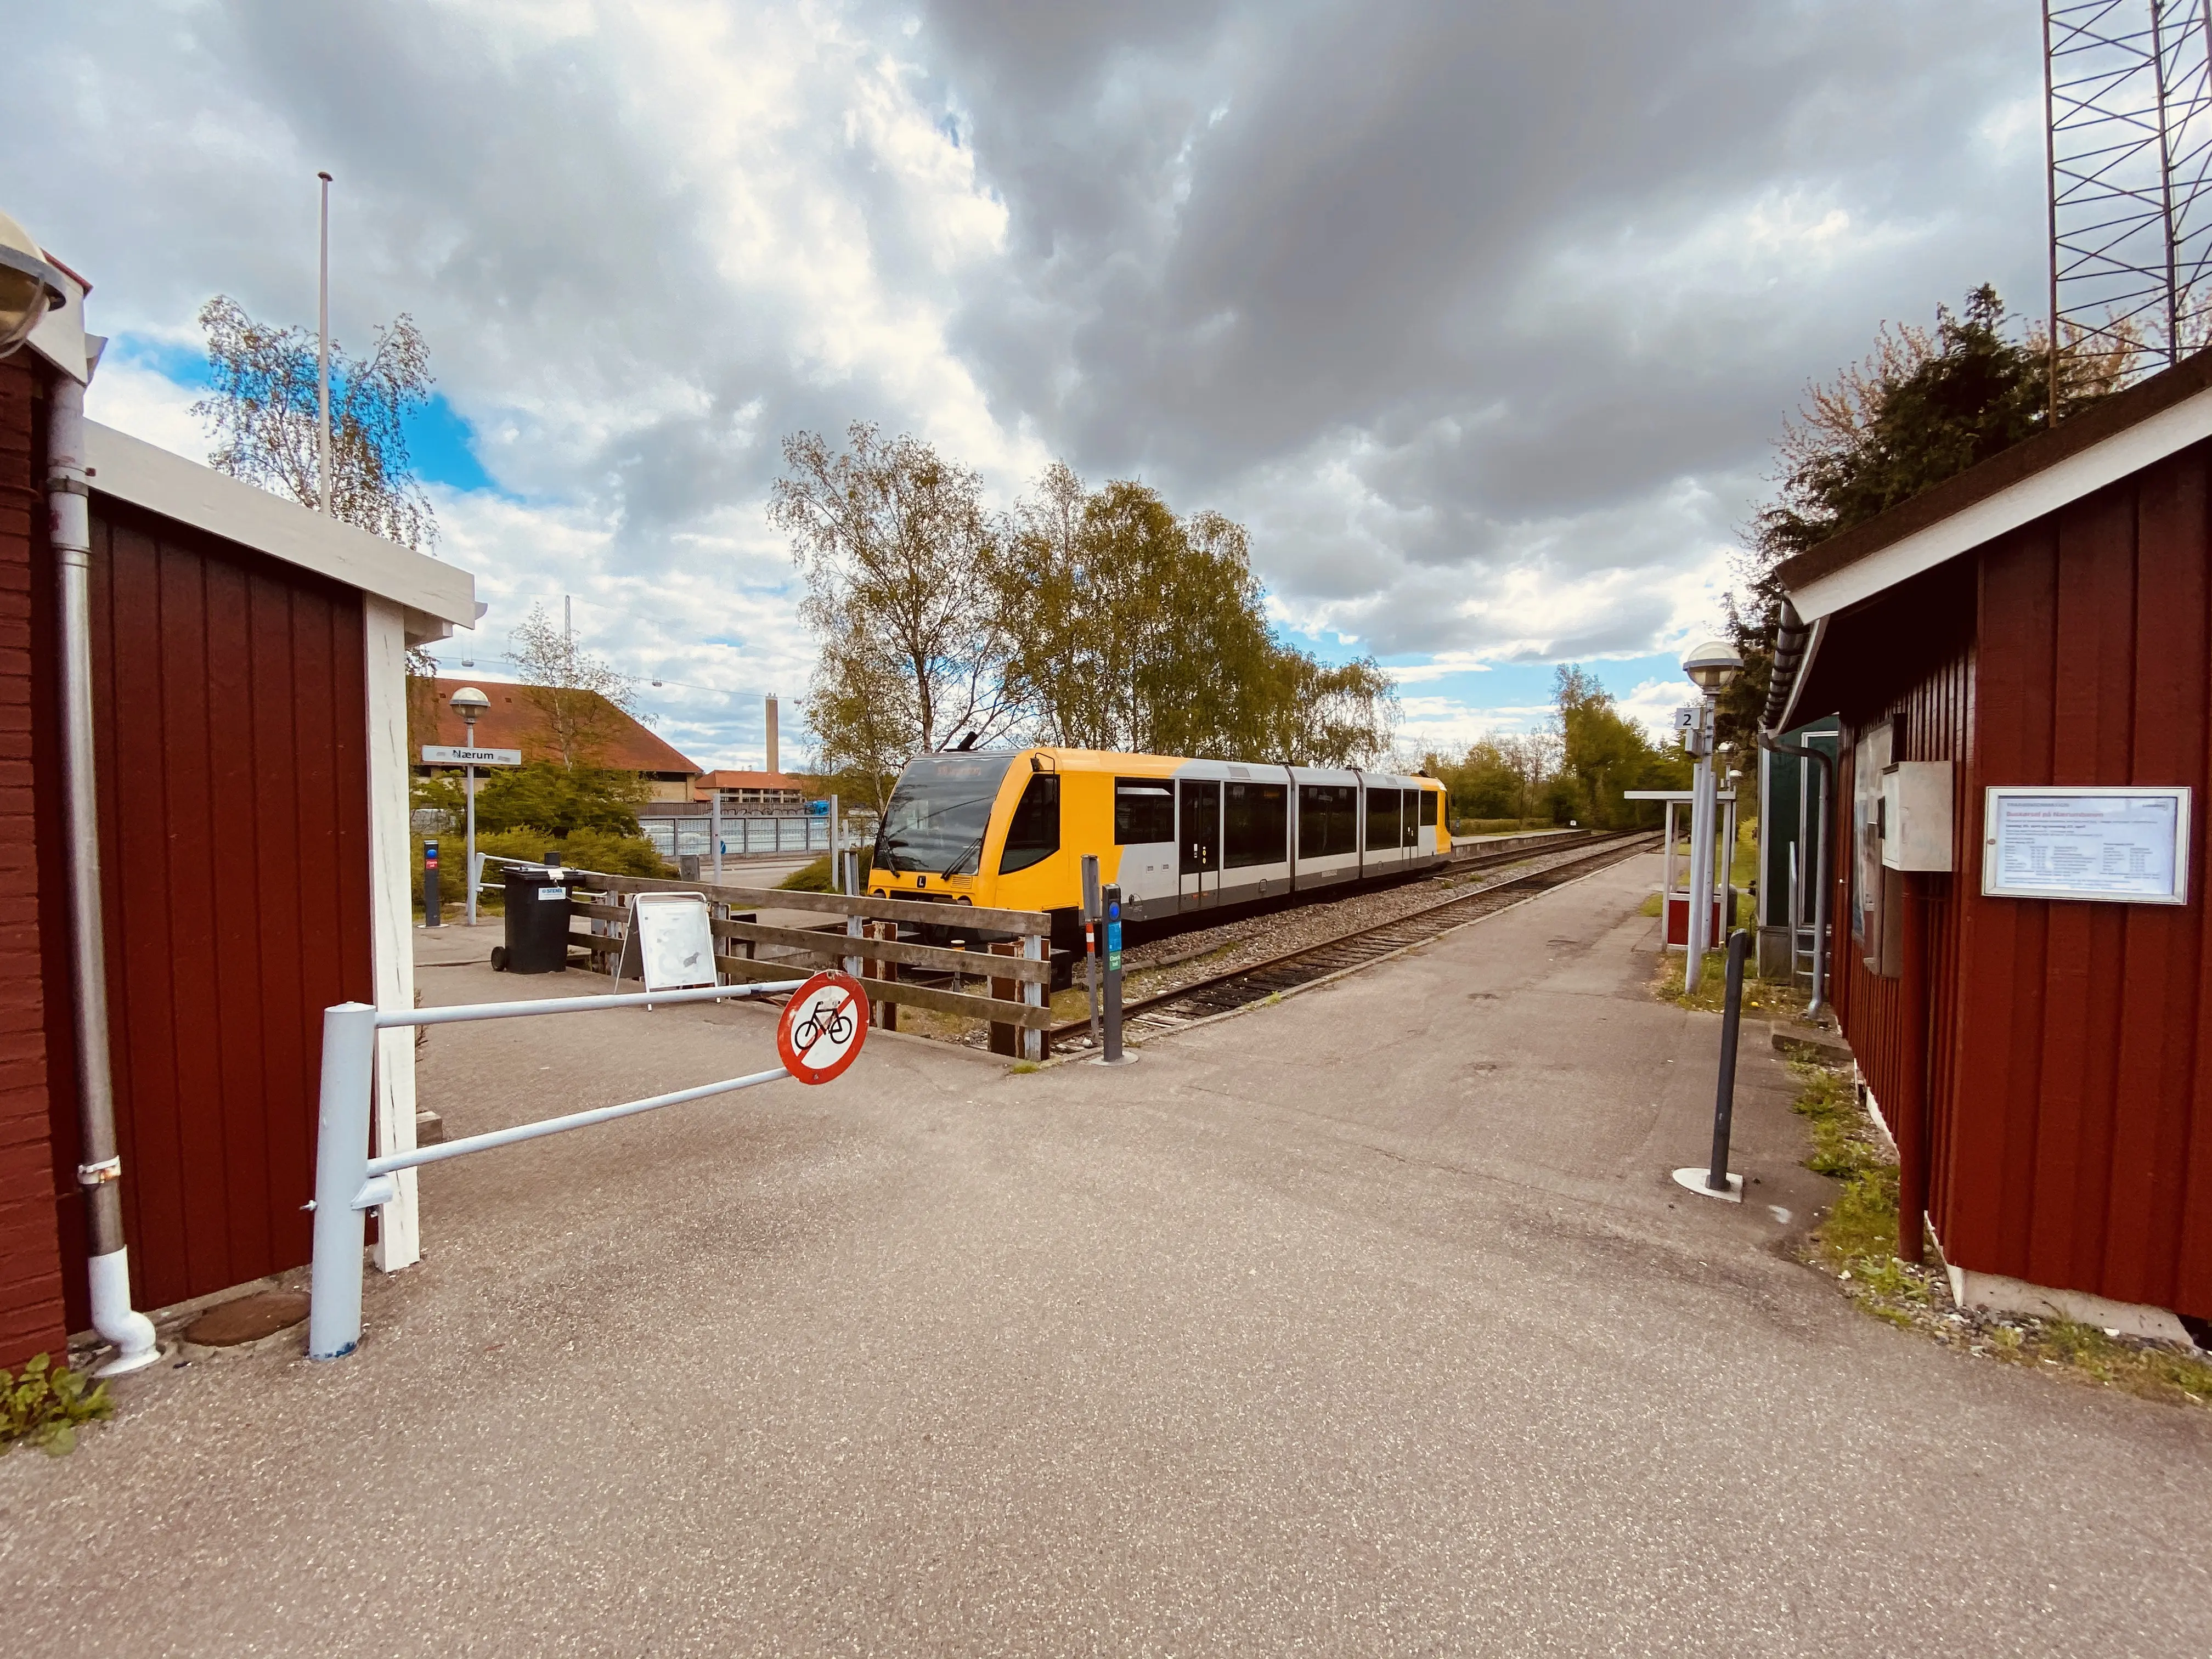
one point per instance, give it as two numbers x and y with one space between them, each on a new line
1482 316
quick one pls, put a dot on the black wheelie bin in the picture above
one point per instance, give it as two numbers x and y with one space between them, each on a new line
537 922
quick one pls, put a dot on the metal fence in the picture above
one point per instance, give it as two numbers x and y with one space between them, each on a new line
674 836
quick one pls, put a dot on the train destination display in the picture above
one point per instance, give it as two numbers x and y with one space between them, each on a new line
2119 845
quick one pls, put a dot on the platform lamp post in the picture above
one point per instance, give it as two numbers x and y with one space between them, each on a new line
1712 667
468 704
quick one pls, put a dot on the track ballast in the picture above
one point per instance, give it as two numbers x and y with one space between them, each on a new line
1240 987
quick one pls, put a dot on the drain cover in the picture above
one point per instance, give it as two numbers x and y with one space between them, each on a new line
248 1319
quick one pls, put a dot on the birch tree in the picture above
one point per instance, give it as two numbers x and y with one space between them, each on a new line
263 414
899 559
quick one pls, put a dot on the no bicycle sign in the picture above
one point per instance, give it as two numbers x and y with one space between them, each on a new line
823 1027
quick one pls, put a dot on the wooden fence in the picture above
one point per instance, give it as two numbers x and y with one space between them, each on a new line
1019 969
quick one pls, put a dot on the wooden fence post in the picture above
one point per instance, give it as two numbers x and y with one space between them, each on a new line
887 1015
1004 1039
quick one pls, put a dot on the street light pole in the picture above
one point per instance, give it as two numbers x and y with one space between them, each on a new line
469 852
1711 668
469 702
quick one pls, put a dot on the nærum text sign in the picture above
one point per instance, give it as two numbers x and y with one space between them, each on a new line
2126 846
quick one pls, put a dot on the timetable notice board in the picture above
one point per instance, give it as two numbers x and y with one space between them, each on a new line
2125 846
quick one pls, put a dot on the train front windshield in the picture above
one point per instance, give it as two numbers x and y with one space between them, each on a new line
939 814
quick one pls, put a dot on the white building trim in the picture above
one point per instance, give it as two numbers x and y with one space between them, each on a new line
391 925
440 597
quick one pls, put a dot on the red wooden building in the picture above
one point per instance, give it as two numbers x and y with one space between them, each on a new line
247 664
2022 659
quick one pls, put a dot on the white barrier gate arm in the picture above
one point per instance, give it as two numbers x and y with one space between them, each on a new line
349 1183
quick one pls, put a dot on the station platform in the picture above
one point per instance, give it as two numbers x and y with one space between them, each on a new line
1369 1321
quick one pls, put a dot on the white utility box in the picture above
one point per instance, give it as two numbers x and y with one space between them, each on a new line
1916 815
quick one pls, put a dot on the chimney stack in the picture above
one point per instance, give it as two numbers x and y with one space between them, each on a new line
772 766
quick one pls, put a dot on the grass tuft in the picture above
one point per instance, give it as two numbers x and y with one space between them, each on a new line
1856 1242
1765 999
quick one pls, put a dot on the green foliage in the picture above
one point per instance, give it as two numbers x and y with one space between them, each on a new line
1603 753
1131 629
897 554
1922 406
42 1405
1092 618
546 796
812 877
609 853
1858 1242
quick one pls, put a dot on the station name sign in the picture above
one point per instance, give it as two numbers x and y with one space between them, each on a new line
435 754
2121 846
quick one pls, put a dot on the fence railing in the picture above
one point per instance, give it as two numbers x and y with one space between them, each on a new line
1018 964
693 836
349 1183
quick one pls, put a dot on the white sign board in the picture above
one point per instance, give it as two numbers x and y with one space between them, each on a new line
436 754
675 942
2123 845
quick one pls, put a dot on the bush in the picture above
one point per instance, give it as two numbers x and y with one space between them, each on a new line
44 1405
581 849
808 879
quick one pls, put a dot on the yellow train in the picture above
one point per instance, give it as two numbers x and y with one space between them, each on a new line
1010 828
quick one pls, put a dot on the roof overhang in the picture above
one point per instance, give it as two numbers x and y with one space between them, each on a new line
2101 445
437 596
2081 474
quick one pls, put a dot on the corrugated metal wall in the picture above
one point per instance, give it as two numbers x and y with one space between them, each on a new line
2071 1091
232 732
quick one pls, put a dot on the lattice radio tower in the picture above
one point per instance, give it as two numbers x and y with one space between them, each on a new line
2128 100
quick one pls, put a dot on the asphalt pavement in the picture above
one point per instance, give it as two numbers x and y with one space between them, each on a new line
1365 1322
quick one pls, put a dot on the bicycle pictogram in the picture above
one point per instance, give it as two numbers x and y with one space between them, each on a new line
823 1027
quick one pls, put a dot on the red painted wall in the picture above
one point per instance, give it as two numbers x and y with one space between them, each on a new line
31 1297
2072 1043
231 701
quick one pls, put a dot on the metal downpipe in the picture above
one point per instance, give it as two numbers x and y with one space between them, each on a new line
99 1170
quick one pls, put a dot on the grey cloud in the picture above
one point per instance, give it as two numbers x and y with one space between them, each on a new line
1417 291
1360 246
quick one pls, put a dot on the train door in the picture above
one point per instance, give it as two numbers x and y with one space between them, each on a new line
1198 813
1385 837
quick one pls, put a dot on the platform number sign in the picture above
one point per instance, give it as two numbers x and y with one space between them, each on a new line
823 1027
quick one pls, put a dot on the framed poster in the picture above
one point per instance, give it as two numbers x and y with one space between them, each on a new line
2122 845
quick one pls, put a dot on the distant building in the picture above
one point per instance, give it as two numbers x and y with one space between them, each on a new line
751 792
512 722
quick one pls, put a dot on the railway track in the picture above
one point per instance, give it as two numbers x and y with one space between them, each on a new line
1240 987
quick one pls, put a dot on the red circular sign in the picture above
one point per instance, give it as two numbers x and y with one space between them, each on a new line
823 1027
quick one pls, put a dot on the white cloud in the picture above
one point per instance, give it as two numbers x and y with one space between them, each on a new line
146 403
1502 407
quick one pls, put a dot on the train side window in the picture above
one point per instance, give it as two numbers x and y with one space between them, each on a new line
1328 819
1428 808
1144 811
1258 825
1382 819
1034 835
